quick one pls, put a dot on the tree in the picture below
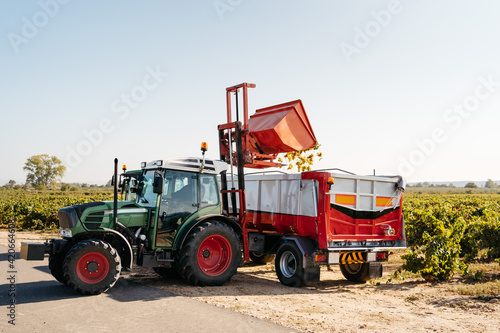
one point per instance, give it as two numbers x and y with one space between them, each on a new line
67 187
470 185
43 170
491 184
11 183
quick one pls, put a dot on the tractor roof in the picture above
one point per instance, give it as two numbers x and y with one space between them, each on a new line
192 164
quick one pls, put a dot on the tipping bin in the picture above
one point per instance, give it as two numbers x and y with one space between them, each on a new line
280 129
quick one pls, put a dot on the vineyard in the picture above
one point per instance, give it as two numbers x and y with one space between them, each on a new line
444 231
37 210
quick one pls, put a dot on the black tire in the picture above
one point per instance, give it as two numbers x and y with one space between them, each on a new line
211 255
92 256
356 272
260 258
56 263
289 265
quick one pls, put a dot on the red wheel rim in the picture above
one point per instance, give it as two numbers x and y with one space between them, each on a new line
92 268
214 255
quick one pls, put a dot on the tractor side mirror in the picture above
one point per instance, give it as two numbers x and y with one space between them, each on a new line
158 183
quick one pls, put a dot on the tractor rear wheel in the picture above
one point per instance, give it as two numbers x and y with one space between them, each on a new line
56 262
211 255
92 267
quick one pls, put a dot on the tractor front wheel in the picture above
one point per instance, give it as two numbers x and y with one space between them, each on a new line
92 267
56 262
211 255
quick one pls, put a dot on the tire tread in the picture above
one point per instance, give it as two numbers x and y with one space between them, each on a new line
99 287
188 256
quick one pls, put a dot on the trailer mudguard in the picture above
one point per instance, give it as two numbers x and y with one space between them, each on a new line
307 247
185 230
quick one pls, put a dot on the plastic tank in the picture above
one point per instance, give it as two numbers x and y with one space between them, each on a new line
281 128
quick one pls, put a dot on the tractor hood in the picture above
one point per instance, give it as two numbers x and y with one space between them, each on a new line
99 214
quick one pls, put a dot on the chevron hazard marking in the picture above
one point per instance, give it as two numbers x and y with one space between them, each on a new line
351 258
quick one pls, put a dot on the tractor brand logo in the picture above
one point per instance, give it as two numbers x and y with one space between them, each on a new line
352 258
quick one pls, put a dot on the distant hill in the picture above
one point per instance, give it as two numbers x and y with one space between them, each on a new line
455 183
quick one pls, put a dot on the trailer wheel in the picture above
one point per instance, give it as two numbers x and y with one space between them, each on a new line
356 272
211 255
260 258
56 262
92 267
289 265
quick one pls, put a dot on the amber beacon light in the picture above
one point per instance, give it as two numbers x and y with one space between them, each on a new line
204 147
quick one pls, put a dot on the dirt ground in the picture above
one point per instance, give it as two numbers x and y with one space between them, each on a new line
334 304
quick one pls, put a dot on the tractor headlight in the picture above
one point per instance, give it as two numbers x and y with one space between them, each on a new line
65 233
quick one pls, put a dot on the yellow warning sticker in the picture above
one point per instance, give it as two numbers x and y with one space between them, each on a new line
351 258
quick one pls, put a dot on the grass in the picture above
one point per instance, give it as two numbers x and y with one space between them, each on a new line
411 298
485 267
237 307
489 289
487 286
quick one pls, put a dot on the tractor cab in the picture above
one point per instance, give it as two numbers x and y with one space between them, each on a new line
177 191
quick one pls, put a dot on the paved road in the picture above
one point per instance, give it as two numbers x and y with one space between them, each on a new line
44 305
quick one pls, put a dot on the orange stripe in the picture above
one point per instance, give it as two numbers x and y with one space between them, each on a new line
383 201
345 199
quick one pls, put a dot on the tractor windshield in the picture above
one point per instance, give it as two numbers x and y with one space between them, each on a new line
145 195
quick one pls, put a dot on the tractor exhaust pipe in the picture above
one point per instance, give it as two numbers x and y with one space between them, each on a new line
115 197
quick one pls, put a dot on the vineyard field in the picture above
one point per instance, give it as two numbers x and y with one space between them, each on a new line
443 231
37 210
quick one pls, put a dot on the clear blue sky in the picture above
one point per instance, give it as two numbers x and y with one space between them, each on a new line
410 87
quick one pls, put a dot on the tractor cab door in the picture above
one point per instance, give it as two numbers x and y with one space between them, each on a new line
178 201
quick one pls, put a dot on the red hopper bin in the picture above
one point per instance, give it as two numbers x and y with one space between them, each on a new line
281 128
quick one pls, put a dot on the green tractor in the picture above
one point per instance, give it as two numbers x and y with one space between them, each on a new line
171 220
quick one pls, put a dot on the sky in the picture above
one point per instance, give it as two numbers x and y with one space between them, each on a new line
399 87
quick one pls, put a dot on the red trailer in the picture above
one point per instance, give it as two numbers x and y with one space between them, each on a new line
309 219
